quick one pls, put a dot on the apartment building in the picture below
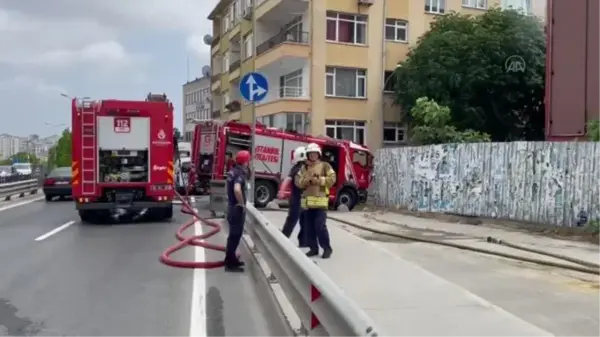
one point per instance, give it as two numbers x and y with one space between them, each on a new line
196 104
328 62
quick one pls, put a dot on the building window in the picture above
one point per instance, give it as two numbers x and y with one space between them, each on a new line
226 22
344 82
226 62
290 85
226 99
396 30
294 121
479 4
348 130
435 6
523 6
248 48
390 82
346 28
394 133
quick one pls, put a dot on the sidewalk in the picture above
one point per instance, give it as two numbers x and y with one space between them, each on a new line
457 232
405 299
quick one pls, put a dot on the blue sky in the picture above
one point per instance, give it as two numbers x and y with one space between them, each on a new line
96 48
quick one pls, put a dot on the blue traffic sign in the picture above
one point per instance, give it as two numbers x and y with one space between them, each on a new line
254 87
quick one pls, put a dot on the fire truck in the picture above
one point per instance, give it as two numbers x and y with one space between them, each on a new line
216 142
122 157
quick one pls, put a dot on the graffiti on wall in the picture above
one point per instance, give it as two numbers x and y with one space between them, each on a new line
542 182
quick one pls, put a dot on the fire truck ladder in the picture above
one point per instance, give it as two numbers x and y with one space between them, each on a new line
88 148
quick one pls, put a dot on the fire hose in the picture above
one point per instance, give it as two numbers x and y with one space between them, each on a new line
194 240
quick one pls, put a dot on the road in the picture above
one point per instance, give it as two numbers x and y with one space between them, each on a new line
564 303
60 277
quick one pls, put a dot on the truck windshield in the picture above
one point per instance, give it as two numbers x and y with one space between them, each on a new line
362 158
22 166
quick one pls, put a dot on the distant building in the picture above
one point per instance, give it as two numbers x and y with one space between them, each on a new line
196 104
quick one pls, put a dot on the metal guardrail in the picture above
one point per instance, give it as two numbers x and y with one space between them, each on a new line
18 186
320 304
282 37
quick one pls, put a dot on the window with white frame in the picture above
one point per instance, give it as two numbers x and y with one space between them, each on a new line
349 130
435 6
396 30
295 121
524 6
479 4
237 10
394 133
346 28
290 84
226 99
248 48
346 82
226 62
226 22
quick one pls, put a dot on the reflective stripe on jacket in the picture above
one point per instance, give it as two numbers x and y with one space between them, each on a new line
315 180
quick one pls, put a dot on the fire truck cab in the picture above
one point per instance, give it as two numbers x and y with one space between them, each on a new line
214 142
122 157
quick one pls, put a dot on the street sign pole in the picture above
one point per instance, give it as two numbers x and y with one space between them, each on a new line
253 132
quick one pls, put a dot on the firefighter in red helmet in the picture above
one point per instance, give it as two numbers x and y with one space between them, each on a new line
236 209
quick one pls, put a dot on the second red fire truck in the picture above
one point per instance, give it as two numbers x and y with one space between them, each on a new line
215 142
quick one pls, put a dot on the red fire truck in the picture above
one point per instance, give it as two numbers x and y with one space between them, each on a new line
122 157
215 142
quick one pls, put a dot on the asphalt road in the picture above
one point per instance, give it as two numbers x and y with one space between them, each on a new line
59 277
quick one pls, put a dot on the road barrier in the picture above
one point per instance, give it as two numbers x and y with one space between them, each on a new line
320 304
17 186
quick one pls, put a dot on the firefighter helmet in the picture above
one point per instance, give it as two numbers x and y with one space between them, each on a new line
299 155
242 157
313 147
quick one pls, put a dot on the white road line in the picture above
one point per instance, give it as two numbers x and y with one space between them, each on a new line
198 311
22 203
54 231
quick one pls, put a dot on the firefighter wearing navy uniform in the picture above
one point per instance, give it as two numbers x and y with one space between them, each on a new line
236 210
295 211
315 179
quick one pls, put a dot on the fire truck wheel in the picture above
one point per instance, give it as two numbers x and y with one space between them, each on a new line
346 197
86 216
168 213
264 193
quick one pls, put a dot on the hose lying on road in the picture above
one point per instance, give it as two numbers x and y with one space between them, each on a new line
581 269
195 240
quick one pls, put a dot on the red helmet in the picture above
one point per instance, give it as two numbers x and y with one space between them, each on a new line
242 157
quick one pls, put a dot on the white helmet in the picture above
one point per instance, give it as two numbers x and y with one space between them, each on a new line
299 155
313 147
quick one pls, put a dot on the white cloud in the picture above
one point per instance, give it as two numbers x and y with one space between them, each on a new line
32 84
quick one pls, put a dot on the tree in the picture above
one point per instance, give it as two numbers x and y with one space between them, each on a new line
593 131
461 63
432 126
177 134
21 157
60 154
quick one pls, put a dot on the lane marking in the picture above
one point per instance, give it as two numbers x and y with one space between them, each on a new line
198 310
54 231
22 203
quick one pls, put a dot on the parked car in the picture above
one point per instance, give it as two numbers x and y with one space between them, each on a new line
58 183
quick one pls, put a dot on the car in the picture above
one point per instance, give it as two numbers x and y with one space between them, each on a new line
58 183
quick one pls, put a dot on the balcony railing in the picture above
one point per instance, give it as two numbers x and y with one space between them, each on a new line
215 41
290 92
286 36
235 65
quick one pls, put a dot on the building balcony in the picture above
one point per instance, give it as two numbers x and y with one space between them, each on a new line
234 70
216 114
215 82
215 45
291 44
286 99
279 10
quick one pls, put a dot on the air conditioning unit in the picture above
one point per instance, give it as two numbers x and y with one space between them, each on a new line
366 2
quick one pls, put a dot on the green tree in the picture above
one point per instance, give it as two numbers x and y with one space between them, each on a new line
60 154
21 157
432 126
593 131
461 63
177 134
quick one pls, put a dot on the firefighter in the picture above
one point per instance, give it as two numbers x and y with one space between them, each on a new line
236 196
295 211
315 179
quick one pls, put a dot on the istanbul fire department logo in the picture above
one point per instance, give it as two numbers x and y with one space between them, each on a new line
162 138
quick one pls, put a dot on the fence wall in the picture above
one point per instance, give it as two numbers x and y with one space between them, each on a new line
542 182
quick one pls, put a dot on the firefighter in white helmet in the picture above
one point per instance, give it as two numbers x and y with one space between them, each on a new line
295 211
315 179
